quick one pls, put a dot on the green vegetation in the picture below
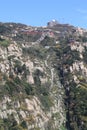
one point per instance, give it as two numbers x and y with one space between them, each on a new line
85 55
5 43
42 91
47 41
78 107
82 39
56 115
13 86
62 128
76 94
23 124
4 29
28 89
33 52
46 102
16 85
21 69
26 36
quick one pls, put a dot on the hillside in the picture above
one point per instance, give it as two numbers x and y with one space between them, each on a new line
43 77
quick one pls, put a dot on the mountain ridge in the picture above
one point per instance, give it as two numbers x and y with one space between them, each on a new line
43 77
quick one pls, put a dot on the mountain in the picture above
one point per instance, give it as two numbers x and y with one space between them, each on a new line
43 77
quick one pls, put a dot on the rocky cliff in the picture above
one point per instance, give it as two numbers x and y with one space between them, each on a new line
43 77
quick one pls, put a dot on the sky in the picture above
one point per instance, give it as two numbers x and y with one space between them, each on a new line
39 12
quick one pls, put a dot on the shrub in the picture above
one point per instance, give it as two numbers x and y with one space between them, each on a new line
46 102
33 52
85 55
10 87
47 41
23 124
28 89
5 43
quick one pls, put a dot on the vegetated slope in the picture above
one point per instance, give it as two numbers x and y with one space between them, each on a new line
43 77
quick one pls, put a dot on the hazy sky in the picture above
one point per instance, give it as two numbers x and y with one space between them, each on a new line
39 12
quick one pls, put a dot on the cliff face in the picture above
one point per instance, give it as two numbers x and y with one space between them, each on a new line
43 77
